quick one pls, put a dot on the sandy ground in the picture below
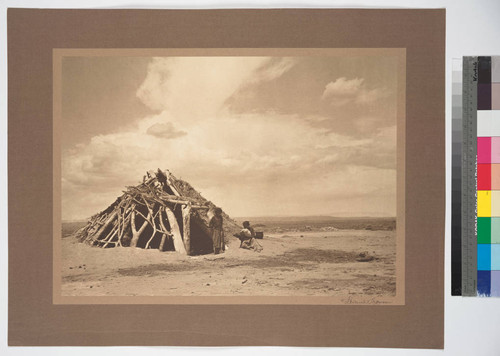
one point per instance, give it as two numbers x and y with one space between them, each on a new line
301 263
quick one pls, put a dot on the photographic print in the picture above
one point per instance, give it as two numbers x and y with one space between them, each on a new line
229 176
275 180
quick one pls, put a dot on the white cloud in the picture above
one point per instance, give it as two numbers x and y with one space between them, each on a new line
370 96
279 163
256 153
344 91
194 88
165 130
273 69
343 87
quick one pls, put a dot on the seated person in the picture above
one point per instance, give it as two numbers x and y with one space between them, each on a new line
247 238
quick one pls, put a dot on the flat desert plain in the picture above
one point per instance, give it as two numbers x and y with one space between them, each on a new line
300 259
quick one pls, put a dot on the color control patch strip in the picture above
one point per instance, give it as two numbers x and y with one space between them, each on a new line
488 176
479 228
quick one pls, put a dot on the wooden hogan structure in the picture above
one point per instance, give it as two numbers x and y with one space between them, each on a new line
162 212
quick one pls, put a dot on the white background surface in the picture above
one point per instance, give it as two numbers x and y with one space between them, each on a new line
472 325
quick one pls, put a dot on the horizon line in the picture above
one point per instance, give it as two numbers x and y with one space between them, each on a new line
281 216
306 216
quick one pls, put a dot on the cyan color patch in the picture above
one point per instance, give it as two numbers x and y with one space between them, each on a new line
495 257
483 257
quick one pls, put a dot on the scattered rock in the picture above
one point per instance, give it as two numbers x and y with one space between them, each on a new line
244 281
364 257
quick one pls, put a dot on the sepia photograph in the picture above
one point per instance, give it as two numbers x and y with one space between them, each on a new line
226 177
229 176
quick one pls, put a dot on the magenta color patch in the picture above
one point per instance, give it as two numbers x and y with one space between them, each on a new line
495 150
484 150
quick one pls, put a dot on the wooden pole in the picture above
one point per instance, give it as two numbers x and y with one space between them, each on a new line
136 233
109 220
171 185
154 230
176 232
110 238
186 220
164 236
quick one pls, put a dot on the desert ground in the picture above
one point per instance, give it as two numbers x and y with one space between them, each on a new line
298 259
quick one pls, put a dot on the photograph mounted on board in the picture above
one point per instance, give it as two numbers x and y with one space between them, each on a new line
229 176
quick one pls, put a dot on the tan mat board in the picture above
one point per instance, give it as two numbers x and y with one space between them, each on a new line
35 320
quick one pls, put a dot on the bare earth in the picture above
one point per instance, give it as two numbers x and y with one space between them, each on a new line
323 263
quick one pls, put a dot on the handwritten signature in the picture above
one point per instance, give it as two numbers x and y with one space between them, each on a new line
372 300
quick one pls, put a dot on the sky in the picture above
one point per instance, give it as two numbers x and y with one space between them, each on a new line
258 136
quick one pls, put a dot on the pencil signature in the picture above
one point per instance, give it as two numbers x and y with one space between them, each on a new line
358 300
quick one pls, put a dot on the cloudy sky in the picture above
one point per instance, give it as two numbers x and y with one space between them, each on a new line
258 136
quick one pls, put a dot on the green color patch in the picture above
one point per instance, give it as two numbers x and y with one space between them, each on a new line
483 230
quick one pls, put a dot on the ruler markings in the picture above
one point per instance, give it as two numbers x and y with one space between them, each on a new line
469 177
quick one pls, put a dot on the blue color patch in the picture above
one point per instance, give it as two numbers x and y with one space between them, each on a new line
484 283
483 257
495 283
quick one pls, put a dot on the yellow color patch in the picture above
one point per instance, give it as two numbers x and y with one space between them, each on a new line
484 203
495 203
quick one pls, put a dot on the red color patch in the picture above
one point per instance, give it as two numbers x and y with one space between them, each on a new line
484 177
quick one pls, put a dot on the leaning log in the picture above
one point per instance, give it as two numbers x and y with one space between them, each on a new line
136 233
165 234
175 231
103 228
186 222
